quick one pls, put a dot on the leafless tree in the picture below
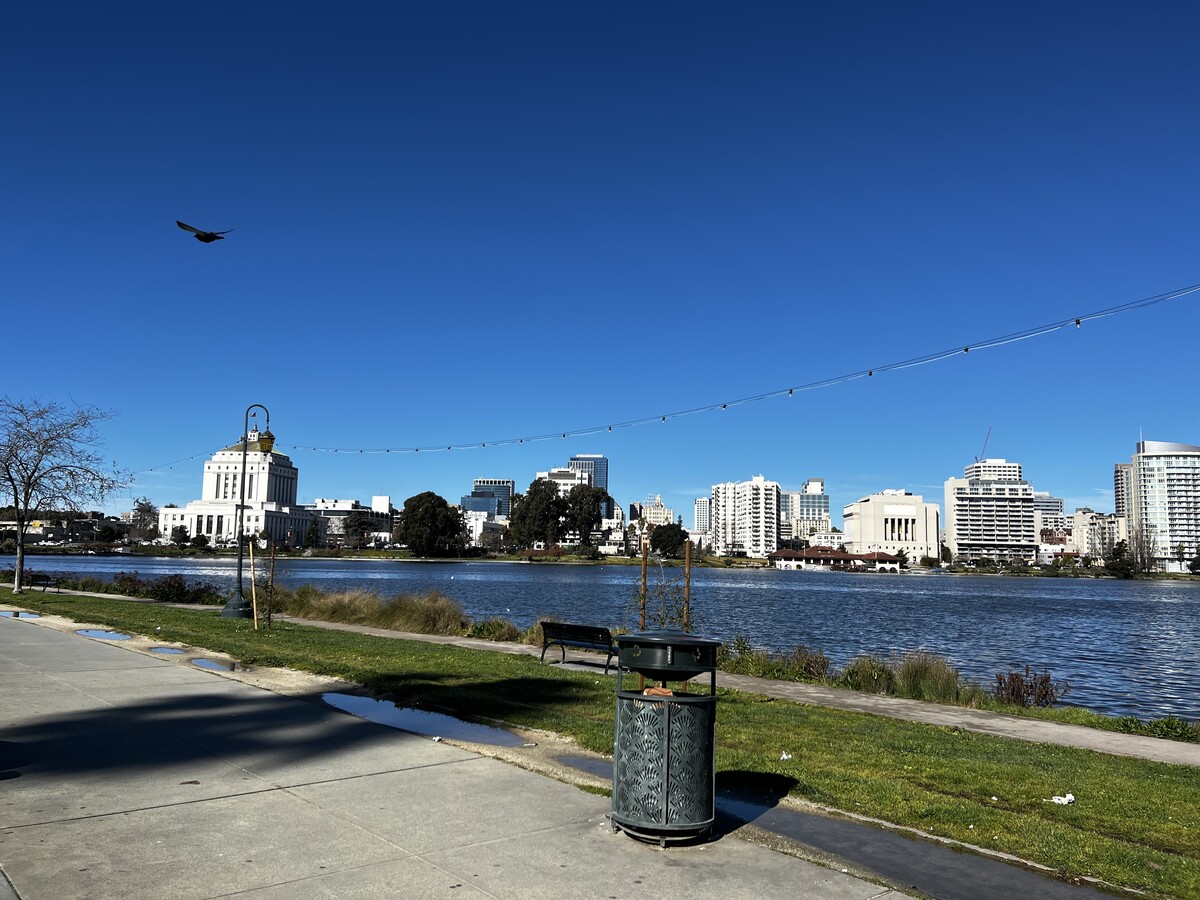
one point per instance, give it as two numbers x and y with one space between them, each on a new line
1141 549
48 461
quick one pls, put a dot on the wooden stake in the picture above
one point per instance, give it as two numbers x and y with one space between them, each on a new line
253 593
687 586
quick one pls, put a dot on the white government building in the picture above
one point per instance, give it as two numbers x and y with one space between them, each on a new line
891 521
271 482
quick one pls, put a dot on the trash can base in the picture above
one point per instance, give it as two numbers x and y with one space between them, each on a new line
662 837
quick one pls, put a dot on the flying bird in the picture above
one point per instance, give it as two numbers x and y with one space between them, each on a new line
206 237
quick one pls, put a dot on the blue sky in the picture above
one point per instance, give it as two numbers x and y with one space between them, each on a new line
465 222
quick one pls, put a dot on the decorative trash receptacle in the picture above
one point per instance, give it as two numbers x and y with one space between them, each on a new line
663 765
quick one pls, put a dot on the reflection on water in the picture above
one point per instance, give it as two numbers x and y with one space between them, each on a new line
1126 647
102 635
420 721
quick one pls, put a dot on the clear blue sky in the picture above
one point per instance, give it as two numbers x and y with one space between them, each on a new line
470 221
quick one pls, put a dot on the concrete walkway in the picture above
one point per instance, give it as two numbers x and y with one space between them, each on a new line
129 775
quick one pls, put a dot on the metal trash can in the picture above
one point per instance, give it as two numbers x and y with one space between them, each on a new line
663 763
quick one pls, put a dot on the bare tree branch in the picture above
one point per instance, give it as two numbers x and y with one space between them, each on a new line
47 461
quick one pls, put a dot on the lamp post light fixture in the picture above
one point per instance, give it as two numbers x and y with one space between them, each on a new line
237 607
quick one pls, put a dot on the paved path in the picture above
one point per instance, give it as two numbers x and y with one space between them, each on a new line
126 775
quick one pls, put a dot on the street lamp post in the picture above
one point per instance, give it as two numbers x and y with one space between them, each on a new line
237 607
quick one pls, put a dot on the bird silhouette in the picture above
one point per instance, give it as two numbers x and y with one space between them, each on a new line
206 237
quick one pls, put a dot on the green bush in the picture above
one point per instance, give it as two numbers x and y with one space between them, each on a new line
924 676
869 674
495 630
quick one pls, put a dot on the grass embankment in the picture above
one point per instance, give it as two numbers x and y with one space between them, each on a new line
1134 823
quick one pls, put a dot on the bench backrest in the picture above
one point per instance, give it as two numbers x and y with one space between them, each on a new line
567 631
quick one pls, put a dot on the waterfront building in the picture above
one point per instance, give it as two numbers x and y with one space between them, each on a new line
702 516
596 466
1094 534
1164 504
1121 488
990 513
271 482
566 479
745 518
826 538
892 521
332 513
502 489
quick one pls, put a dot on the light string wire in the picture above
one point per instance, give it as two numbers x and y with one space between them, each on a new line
957 350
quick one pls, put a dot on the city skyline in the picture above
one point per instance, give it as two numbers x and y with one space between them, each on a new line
430 211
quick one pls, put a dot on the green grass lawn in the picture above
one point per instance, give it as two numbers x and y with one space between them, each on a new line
1134 823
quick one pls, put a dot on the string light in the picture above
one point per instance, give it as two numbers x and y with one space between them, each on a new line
1000 341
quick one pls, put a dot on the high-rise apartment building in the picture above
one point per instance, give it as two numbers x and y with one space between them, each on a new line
1121 477
745 518
990 513
892 521
702 515
1164 503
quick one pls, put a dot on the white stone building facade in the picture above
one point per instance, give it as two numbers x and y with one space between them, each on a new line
270 484
893 521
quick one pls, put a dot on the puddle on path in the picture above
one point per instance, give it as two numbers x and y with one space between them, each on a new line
601 768
418 721
19 614
103 635
170 651
214 665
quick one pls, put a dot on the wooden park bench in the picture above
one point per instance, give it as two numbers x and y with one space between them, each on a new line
44 581
589 637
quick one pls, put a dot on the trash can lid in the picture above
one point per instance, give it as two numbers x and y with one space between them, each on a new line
672 636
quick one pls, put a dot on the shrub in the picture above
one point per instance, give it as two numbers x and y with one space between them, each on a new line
1171 728
495 630
1030 689
431 613
923 676
812 664
869 674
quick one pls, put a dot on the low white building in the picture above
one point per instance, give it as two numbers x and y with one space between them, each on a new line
892 521
270 487
566 480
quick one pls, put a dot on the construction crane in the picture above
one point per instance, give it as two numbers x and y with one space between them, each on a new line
983 453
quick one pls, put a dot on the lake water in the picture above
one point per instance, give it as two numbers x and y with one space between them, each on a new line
1126 647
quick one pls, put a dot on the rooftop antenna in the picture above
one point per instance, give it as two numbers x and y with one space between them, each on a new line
983 453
